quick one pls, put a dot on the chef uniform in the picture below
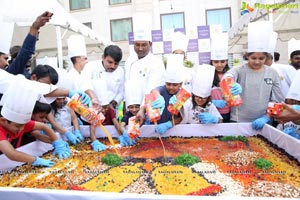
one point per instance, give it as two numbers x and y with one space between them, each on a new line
76 47
147 71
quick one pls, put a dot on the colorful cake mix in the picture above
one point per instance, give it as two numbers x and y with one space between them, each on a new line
191 166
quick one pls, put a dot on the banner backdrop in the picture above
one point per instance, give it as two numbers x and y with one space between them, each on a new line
199 41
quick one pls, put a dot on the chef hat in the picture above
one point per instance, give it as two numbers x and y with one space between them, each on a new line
203 80
293 45
219 46
259 36
133 93
76 46
6 35
142 25
15 110
174 71
100 89
272 43
179 41
294 91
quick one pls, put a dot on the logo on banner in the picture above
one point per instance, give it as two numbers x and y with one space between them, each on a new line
246 8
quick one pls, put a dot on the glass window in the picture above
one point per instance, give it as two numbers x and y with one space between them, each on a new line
219 16
112 2
174 20
79 4
120 29
88 24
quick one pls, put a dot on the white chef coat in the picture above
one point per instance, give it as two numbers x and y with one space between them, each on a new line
286 74
80 81
147 71
114 80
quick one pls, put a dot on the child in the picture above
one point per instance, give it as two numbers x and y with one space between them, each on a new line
62 118
133 99
199 108
219 59
15 120
260 83
167 94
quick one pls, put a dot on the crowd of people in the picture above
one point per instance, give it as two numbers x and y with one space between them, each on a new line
34 105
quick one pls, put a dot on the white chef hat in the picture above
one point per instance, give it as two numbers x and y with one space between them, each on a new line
142 25
294 91
259 36
14 109
6 35
179 41
133 93
76 46
293 45
203 80
100 89
219 46
272 43
174 71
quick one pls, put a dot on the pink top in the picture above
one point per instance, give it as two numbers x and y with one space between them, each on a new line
216 94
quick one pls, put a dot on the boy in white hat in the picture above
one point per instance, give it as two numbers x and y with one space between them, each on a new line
15 120
219 59
143 66
199 109
167 94
260 83
133 99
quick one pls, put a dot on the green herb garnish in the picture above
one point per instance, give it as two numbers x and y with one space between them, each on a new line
186 159
112 159
262 163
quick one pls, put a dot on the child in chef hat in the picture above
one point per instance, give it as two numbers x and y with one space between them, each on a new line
199 108
15 119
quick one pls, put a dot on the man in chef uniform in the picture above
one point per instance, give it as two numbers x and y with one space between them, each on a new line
143 66
77 54
108 69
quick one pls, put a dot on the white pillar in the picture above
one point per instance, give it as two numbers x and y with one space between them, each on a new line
59 47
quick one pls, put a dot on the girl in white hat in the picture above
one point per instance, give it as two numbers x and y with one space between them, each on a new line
258 84
199 109
219 59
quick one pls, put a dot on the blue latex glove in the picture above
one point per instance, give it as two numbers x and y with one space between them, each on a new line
260 122
236 89
98 146
125 140
78 135
147 121
219 103
159 103
61 148
163 127
173 99
289 130
296 107
84 98
42 162
207 118
71 137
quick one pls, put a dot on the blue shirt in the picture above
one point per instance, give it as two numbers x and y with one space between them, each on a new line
166 115
18 66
